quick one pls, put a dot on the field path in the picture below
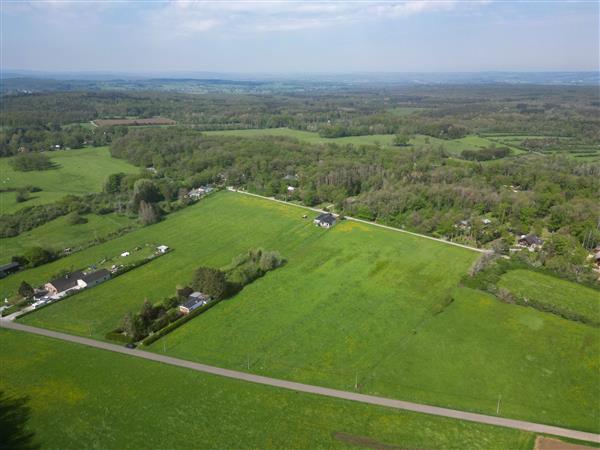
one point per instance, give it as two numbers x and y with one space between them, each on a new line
310 389
354 219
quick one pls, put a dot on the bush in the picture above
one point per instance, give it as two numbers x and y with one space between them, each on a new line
21 195
38 256
210 281
76 219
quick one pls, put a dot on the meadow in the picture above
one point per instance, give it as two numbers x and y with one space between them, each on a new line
89 398
454 146
355 306
78 172
551 291
58 234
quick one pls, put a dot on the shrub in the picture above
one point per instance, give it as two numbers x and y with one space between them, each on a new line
76 219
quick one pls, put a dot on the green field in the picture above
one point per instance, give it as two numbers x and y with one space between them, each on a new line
355 304
455 146
88 398
78 172
552 291
58 234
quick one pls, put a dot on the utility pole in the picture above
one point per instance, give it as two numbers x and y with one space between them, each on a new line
356 382
248 359
498 405
165 345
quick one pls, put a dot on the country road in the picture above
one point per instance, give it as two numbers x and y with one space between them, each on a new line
310 389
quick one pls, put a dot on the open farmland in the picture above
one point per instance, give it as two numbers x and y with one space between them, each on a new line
89 398
553 293
453 146
354 307
78 172
58 234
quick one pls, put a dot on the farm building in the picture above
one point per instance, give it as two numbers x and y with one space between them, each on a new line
162 249
93 278
530 241
194 301
76 280
325 220
63 284
9 268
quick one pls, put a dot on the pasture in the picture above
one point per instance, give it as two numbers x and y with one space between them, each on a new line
553 292
453 146
355 306
58 234
78 172
88 398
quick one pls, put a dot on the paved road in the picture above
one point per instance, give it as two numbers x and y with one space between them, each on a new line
354 219
318 390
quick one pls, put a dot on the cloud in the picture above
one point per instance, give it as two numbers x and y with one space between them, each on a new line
188 17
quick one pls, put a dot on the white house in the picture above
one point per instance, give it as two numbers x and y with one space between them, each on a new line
194 301
93 278
162 249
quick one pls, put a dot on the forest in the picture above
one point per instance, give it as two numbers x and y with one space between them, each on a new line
534 180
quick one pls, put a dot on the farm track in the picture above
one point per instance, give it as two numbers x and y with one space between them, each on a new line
311 389
354 219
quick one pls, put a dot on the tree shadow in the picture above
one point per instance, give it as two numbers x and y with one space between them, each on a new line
14 415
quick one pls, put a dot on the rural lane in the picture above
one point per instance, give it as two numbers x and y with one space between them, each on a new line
367 222
310 389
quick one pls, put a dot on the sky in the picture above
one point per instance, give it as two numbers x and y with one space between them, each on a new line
299 36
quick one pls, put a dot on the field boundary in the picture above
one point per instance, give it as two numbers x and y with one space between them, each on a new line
354 219
311 389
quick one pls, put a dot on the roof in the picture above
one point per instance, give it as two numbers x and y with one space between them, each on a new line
93 276
326 217
531 239
67 282
193 301
10 266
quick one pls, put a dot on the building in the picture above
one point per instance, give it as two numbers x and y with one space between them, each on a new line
325 220
93 278
530 241
194 301
9 268
63 284
597 259
196 193
162 249
486 221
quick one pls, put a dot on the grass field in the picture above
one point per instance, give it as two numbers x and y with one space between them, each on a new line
58 234
355 304
78 172
552 291
88 398
455 146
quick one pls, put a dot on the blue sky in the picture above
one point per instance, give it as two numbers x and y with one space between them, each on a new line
300 37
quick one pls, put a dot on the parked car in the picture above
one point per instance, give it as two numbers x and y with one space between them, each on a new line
130 345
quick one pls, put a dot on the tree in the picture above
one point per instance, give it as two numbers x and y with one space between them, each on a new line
401 139
75 219
113 183
21 195
38 256
146 190
147 213
210 281
132 326
25 290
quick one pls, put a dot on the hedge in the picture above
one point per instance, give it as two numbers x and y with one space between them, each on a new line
172 326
